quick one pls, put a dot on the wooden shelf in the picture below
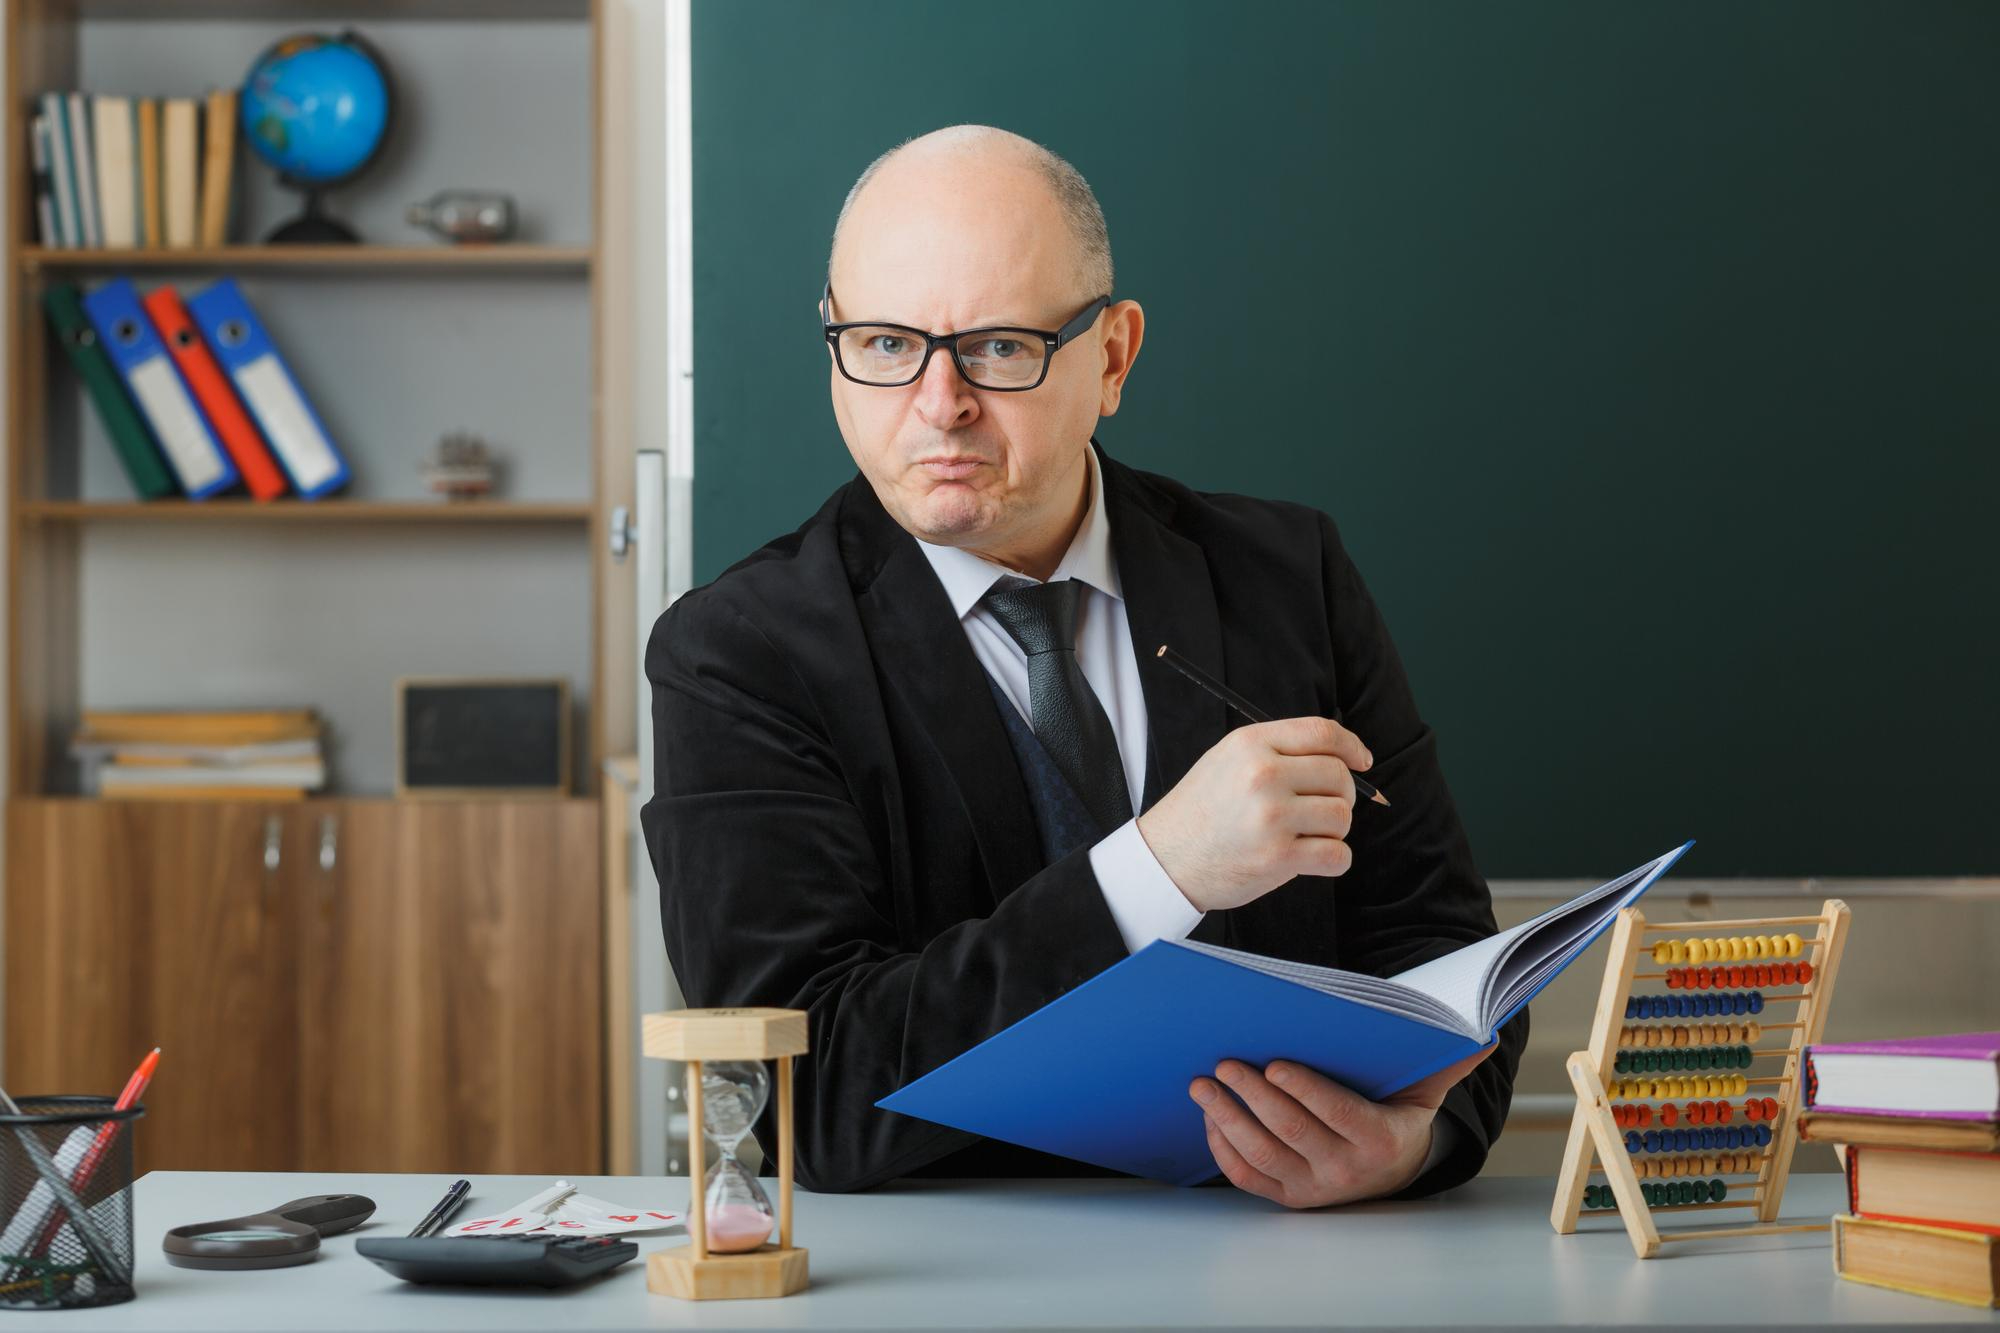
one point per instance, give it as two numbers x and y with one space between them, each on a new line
303 511
345 10
503 258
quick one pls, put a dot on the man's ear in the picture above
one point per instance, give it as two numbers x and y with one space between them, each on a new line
1124 325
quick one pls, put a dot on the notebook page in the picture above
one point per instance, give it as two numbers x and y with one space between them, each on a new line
1474 980
1375 992
1553 946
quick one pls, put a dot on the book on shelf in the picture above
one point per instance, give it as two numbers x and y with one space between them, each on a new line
180 171
152 234
135 755
217 165
127 172
215 793
305 774
112 129
212 755
242 726
1941 1262
46 232
62 188
83 171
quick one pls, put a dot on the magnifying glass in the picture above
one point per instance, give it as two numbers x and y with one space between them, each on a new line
286 1235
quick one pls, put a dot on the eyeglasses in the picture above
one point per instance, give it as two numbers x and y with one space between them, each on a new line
1005 360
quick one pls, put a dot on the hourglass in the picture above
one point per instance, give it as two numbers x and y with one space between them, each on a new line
729 1217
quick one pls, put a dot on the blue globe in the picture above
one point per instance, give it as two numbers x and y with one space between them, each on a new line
316 108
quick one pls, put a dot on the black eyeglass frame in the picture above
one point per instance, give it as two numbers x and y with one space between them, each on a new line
1055 342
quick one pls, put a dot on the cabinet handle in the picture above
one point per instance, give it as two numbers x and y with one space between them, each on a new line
274 845
329 838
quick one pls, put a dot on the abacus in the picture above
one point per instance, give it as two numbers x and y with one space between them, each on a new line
1693 1079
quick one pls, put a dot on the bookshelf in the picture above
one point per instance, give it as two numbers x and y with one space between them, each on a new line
118 603
398 341
229 510
518 258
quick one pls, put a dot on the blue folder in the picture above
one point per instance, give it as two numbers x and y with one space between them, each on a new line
1101 1074
298 438
135 347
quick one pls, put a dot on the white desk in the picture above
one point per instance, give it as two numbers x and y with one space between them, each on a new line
1044 1255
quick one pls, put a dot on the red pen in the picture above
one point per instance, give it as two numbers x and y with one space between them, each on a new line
135 1088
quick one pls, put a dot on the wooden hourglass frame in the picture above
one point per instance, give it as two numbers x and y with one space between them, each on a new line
1597 1142
696 1036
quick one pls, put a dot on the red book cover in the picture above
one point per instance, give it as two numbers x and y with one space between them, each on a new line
217 396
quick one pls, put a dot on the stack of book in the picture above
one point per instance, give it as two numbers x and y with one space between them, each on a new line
122 173
251 754
1918 1123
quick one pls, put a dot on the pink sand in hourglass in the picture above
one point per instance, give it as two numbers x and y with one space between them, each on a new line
734 1227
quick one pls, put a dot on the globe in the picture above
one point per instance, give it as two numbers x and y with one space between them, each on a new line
317 109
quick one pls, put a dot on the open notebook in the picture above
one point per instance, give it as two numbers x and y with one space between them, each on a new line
1101 1074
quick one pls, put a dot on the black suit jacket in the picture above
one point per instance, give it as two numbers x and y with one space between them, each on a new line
840 826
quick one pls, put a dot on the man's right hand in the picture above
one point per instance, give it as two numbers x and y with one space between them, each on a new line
1266 802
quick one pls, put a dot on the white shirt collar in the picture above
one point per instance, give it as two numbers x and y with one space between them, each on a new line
967 577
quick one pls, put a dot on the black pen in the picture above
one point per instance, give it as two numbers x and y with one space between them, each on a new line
445 1207
1245 707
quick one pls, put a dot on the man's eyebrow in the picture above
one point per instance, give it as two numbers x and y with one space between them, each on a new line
988 322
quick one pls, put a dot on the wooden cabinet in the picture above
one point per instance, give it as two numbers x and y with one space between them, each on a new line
456 949
132 925
354 984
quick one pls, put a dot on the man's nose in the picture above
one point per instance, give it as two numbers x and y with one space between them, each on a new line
944 399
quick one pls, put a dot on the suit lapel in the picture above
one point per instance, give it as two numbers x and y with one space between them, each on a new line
1168 599
925 662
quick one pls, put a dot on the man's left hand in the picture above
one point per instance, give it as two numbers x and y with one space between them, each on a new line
1306 1141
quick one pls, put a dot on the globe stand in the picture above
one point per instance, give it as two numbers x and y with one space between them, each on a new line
313 227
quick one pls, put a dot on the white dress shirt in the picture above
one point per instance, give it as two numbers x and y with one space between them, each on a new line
1144 902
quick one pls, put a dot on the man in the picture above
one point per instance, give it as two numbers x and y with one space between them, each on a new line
901 750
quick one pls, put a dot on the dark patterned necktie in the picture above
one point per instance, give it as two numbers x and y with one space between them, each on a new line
1068 719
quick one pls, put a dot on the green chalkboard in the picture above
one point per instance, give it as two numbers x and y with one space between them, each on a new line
1648 356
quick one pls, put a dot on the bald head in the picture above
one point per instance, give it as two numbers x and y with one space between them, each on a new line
963 165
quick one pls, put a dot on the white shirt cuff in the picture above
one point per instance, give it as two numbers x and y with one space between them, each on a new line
1144 902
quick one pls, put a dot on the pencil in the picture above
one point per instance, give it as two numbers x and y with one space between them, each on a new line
135 1088
1245 707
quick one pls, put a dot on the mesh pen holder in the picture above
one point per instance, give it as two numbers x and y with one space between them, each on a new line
47 1260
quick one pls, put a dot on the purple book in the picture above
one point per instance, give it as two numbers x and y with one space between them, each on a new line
1938 1078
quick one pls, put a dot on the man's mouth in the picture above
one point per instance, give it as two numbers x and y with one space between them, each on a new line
952 468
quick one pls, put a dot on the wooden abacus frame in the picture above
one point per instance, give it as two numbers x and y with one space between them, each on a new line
1596 1143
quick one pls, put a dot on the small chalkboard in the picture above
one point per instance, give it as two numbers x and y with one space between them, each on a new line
458 737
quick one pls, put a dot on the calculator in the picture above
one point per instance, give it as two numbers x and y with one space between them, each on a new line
497 1261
